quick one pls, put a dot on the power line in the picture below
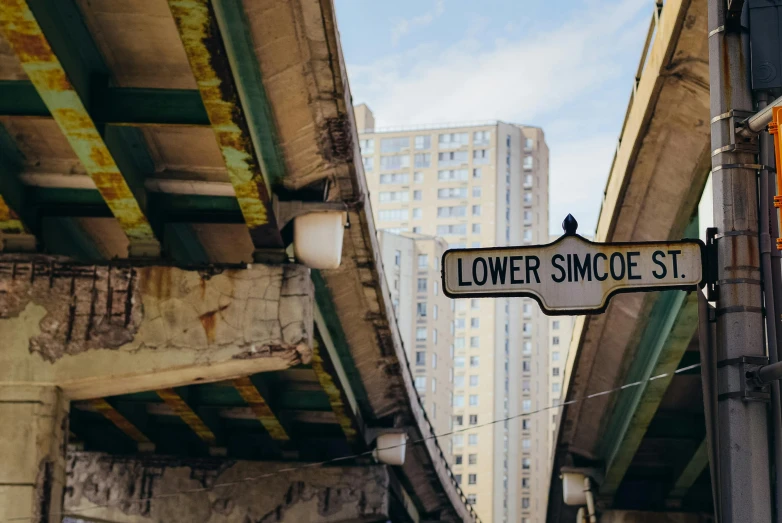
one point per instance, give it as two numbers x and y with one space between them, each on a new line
362 454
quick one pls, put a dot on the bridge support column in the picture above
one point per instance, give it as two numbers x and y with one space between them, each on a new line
33 434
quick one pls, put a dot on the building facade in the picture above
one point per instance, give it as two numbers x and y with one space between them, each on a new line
479 185
424 316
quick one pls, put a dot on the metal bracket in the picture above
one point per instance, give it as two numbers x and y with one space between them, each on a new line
739 141
749 389
710 264
285 211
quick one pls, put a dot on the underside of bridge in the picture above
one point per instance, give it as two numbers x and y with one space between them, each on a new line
644 444
156 318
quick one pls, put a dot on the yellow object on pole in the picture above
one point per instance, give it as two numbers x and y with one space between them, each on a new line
773 129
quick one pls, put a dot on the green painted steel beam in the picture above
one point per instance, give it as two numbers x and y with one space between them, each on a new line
672 324
113 105
691 472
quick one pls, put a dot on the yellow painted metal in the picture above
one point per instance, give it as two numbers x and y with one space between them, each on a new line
200 35
45 71
9 220
329 386
250 394
186 414
773 129
110 413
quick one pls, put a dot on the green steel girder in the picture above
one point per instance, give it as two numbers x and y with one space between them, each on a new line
691 472
672 324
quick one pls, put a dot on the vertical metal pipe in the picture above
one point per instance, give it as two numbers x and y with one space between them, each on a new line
709 384
590 499
743 426
766 217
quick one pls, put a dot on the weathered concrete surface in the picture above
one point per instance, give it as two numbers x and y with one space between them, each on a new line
323 494
33 434
632 516
98 330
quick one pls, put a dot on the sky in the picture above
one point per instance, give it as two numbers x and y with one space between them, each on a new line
564 65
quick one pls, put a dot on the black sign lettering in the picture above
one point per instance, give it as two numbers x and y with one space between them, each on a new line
631 265
514 268
475 278
675 267
585 270
498 269
599 255
663 269
462 283
532 262
617 256
554 259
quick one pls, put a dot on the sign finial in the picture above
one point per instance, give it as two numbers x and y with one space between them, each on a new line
569 225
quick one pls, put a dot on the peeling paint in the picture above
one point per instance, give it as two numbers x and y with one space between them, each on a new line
201 38
331 389
260 408
9 220
121 422
186 414
44 69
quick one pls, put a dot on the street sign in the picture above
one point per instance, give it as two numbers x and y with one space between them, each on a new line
572 275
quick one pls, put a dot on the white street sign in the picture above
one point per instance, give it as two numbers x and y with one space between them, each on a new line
572 275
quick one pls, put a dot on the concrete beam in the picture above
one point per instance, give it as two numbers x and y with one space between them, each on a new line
107 488
634 516
97 331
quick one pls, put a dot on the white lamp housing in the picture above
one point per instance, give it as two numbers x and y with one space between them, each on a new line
581 516
317 239
390 448
573 489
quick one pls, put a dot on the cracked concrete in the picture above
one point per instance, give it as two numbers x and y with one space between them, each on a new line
129 487
75 324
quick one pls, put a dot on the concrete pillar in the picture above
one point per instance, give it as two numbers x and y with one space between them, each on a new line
102 487
33 437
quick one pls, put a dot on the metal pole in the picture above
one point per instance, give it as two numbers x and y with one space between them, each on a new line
743 425
766 216
761 119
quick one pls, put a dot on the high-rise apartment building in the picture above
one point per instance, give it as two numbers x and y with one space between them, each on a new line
479 185
411 263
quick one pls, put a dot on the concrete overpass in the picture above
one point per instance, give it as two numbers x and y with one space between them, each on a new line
167 353
646 443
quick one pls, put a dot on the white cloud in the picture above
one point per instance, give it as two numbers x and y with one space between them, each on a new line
405 25
560 78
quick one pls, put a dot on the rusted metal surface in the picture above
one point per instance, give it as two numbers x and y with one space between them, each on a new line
336 399
186 414
47 74
198 29
261 409
113 415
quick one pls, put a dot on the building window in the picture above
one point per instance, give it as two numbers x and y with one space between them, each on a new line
434 336
418 195
423 142
420 309
472 499
527 309
527 328
420 334
420 383
367 146
420 358
394 145
416 230
555 356
524 502
458 421
527 163
472 479
525 463
473 400
458 229
476 173
481 137
527 235
527 181
369 163
525 387
418 177
472 439
480 156
526 424
394 178
474 381
472 459
459 324
474 323
395 162
527 347
525 444
475 304
452 140
476 192
417 214
458 440
555 340
436 289
555 371
435 310
476 228
476 209
475 361
434 360
475 342
397 258
452 158
421 284
458 362
555 388
391 215
528 216
452 193
458 400
473 419
455 211
528 144
453 175
527 197
458 381
457 459
525 366
524 482
422 160
434 383
526 405
555 324
423 261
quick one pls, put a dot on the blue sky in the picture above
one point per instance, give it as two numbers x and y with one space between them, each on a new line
564 65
